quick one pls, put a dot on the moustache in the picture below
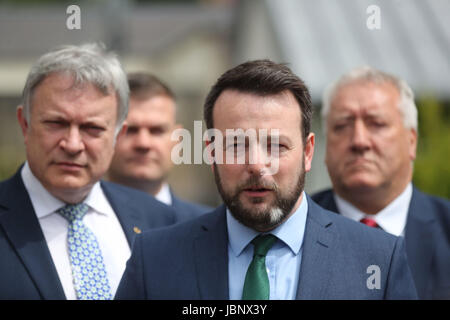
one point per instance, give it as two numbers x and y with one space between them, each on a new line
256 182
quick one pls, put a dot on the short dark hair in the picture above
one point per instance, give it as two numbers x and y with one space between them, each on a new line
261 77
145 86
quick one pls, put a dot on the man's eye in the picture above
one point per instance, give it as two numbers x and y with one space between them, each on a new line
93 130
157 131
339 127
54 123
132 130
235 146
277 147
378 124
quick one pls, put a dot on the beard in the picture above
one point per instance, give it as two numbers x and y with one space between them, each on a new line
268 217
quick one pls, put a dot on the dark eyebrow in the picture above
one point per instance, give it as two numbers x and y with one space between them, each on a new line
92 124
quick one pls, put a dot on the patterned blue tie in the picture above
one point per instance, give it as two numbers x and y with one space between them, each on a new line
88 269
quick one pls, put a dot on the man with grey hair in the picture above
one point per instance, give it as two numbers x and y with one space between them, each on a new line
63 232
370 120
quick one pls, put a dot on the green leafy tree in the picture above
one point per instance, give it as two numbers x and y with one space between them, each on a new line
432 166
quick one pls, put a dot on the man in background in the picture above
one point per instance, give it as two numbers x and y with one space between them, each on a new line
371 127
142 158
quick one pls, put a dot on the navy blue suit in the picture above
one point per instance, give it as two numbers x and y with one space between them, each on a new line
427 241
26 266
187 210
190 261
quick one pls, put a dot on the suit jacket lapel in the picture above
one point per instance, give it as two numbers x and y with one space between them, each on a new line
126 212
329 202
317 255
419 239
211 257
22 228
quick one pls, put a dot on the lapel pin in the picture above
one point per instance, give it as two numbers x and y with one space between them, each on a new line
137 230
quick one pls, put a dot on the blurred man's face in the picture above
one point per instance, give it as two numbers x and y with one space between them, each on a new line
258 200
143 153
70 137
368 147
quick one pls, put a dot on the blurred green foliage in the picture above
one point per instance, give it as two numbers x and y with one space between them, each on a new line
432 166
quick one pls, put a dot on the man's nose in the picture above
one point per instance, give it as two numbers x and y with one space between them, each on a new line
258 160
361 137
73 143
143 140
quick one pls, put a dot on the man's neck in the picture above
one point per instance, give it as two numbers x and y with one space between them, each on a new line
370 200
151 187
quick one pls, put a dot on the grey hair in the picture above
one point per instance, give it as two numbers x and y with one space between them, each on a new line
87 63
406 104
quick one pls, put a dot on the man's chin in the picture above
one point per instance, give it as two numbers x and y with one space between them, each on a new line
361 184
261 216
70 185
257 206
69 190
145 175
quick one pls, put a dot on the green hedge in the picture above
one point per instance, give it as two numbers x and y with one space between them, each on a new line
432 166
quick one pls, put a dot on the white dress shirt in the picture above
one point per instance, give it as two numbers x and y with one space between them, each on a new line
100 219
391 219
164 195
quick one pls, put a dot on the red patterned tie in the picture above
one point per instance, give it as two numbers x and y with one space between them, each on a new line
369 222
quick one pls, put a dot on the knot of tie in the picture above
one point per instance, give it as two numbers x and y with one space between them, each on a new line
262 244
74 212
369 222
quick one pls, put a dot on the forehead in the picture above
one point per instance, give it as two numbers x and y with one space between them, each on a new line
235 109
59 92
157 107
367 97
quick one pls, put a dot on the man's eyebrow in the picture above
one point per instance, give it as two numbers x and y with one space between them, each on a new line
343 116
377 114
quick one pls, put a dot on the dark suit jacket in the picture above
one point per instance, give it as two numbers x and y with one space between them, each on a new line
26 266
427 241
187 210
190 261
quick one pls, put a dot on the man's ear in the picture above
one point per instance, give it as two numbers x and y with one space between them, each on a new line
412 144
210 154
122 131
22 121
309 151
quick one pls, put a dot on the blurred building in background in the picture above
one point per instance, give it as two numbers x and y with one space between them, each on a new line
189 44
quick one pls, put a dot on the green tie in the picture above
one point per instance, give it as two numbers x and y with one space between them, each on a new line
256 286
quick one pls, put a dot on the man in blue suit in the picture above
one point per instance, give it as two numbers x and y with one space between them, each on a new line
371 126
142 158
63 232
269 240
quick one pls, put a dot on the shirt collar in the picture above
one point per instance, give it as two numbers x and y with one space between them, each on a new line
391 219
97 200
290 232
44 203
164 195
